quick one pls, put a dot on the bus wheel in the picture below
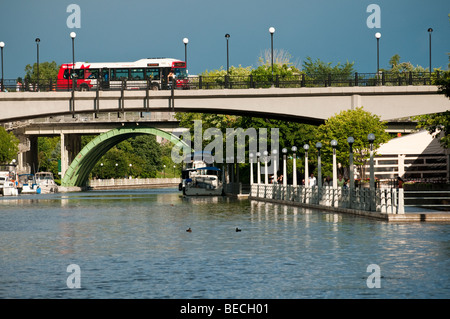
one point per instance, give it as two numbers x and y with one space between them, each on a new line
84 87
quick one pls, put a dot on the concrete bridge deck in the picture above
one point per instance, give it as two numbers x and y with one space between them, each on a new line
312 105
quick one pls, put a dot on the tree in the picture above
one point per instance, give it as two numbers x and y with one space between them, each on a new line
8 146
435 124
394 60
358 124
48 71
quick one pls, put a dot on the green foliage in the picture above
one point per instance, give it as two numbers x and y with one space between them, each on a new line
8 146
436 123
358 124
49 153
47 71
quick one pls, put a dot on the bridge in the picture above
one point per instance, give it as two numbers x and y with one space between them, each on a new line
307 104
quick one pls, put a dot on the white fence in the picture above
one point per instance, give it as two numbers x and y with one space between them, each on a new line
384 200
136 182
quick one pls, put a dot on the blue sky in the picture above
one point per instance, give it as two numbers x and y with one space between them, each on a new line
118 30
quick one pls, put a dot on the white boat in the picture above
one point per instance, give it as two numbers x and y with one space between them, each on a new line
8 187
29 185
203 181
46 182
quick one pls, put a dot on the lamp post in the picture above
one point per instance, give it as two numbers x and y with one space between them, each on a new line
378 36
284 150
294 165
319 168
266 178
130 170
251 168
37 59
275 154
306 148
227 36
430 30
185 41
334 144
350 142
371 139
73 35
258 167
164 170
2 44
272 31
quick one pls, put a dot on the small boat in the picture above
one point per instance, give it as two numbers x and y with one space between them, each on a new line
46 182
203 181
29 185
8 186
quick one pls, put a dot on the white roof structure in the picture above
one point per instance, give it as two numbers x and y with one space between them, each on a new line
412 144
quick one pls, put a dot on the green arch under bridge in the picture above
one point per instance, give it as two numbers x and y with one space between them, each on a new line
78 172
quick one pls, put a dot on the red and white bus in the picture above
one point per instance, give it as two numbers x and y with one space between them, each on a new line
160 73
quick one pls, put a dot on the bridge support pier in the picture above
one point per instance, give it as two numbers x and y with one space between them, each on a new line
70 147
27 159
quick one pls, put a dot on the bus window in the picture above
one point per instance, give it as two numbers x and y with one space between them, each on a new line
119 74
79 73
91 74
137 74
180 73
152 74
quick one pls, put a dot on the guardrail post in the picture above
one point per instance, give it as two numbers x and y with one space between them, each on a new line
277 81
200 82
410 78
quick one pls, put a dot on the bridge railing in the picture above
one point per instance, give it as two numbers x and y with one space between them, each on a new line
248 81
384 200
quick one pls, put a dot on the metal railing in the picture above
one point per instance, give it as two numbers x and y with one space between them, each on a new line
242 82
384 200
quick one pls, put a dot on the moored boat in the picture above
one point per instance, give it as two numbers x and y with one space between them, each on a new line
29 185
46 182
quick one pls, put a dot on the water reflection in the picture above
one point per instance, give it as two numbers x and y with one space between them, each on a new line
134 244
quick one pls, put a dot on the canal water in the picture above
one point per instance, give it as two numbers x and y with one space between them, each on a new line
134 244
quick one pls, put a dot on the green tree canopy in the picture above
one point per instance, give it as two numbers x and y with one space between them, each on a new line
358 124
8 146
47 71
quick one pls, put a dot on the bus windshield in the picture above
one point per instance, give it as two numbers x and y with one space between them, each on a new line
180 73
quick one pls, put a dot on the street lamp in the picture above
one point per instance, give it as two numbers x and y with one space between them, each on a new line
430 30
371 139
319 168
272 31
266 178
227 36
185 41
258 167
73 35
306 148
294 166
164 170
333 145
251 168
274 153
37 58
284 150
378 36
350 142
2 44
